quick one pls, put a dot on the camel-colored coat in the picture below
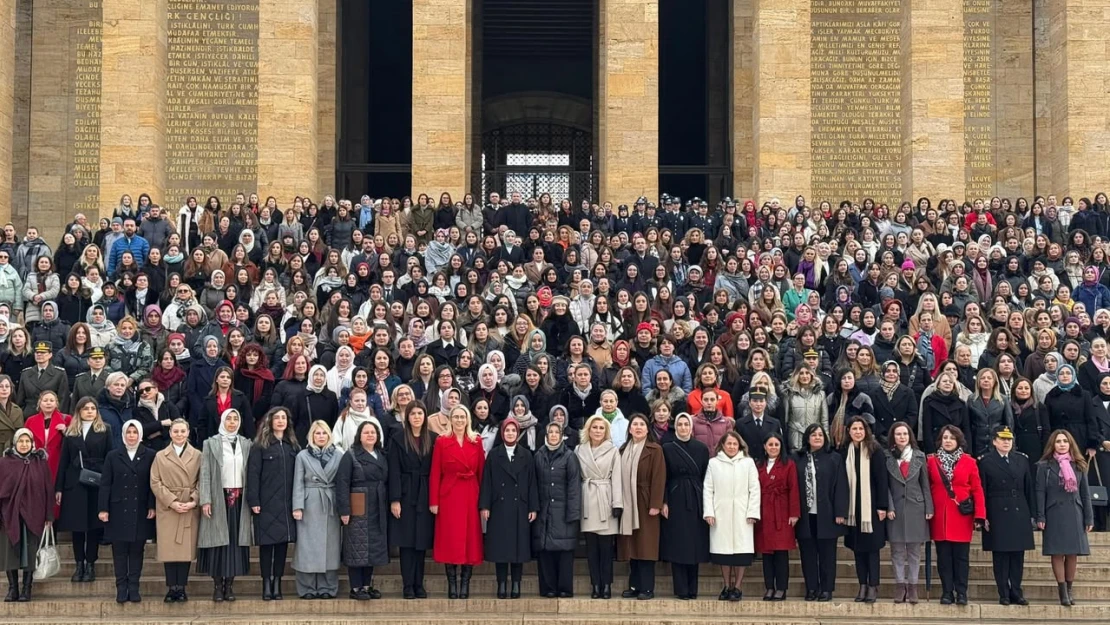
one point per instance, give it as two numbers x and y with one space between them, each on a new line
174 478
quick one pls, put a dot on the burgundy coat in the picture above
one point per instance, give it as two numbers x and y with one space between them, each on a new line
780 500
27 492
454 485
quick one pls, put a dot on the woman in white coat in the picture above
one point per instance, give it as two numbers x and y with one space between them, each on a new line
731 502
602 501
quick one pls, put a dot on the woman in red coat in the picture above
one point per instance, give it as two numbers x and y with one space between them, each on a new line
48 426
780 508
954 477
457 461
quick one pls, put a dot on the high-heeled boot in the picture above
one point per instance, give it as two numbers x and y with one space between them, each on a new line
13 587
1062 588
275 588
267 588
1071 595
452 580
464 581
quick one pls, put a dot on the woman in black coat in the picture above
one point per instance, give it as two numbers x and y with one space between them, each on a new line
155 413
893 402
126 505
271 466
555 530
865 467
239 402
318 403
508 501
1070 407
411 523
687 542
86 443
823 489
1031 427
362 500
940 408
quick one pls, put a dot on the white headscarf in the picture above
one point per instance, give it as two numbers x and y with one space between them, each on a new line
225 434
138 426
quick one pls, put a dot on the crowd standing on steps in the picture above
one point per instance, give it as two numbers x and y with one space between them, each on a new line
510 380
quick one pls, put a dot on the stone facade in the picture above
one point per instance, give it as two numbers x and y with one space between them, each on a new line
7 105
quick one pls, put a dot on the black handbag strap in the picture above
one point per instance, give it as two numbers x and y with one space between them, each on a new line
947 483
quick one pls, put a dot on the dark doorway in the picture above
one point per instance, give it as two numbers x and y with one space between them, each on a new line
375 98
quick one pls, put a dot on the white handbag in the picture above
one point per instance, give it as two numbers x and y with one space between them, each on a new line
47 563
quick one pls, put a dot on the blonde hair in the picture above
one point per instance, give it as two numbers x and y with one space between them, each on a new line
584 437
762 378
318 425
471 435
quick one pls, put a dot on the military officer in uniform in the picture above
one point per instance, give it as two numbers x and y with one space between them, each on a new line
90 383
43 376
1008 530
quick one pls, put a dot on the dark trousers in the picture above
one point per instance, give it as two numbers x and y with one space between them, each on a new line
818 563
127 560
86 545
272 559
641 575
1009 567
177 573
685 578
953 562
867 568
360 576
556 572
503 570
599 555
412 568
776 570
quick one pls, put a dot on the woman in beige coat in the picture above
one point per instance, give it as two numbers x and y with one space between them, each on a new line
602 501
173 478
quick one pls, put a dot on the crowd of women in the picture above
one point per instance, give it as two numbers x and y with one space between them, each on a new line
515 381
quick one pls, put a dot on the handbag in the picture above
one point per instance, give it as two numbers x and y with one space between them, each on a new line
88 477
1098 493
47 563
965 507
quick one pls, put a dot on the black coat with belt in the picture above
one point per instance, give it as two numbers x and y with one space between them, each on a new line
687 533
126 496
270 472
79 502
509 492
1009 492
559 480
240 403
831 495
409 474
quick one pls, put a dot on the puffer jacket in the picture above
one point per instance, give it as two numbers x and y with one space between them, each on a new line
680 373
559 477
135 359
803 408
270 473
48 289
11 287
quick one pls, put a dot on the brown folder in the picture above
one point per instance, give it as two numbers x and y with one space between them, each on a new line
358 504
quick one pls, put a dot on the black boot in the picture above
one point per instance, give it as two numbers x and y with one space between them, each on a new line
28 581
1065 600
90 572
217 589
607 591
13 587
267 589
1071 596
464 581
502 589
514 589
275 587
452 580
595 591
78 572
229 592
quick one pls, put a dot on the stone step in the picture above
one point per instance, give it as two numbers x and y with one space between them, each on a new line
250 587
1040 569
475 611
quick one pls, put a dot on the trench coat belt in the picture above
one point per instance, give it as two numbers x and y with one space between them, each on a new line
329 495
690 497
187 526
603 489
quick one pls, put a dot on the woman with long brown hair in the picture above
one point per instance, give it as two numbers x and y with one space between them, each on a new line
270 472
411 523
1064 513
86 443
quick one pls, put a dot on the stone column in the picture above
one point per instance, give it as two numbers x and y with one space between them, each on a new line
7 105
133 75
628 100
288 84
782 112
933 99
1079 57
743 143
442 123
326 110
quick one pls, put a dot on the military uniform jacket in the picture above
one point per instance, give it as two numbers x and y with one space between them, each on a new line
1008 489
32 383
86 384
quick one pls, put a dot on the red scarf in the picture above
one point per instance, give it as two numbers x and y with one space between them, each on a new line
260 376
165 379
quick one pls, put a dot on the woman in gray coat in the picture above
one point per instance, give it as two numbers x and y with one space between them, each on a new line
911 505
224 514
555 530
319 534
1064 512
362 493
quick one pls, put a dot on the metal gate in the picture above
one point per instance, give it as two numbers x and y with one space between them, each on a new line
537 158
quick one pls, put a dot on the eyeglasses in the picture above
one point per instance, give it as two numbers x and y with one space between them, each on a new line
146 388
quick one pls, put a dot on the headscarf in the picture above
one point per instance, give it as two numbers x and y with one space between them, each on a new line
627 359
226 434
527 423
1051 377
204 350
683 415
139 427
500 372
1059 384
22 432
308 380
103 326
560 443
888 387
533 354
419 339
483 368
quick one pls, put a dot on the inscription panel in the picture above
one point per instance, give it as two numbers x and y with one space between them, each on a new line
856 99
980 125
211 98
83 164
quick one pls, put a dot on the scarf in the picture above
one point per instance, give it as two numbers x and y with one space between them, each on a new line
165 379
811 483
153 406
629 471
889 388
1067 473
131 345
173 259
1103 367
860 490
312 388
260 376
226 435
948 460
380 377
1059 384
309 344
131 449
1051 377
322 455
